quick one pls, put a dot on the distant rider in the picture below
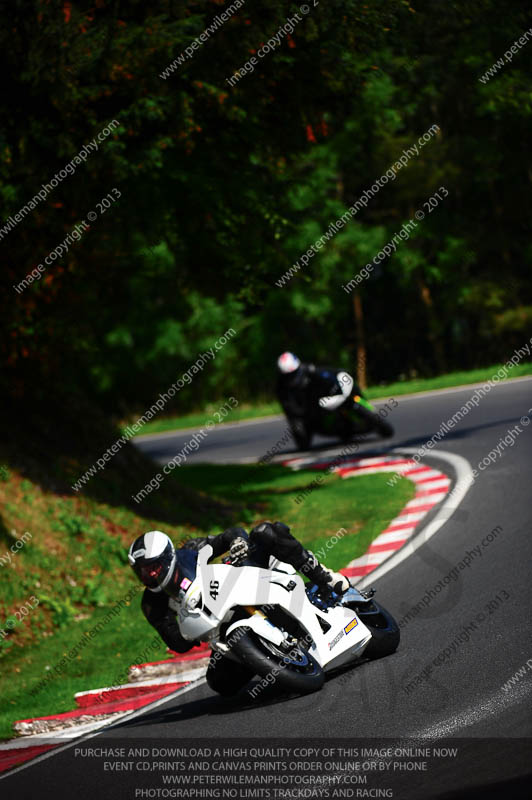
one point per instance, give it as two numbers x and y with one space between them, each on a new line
304 390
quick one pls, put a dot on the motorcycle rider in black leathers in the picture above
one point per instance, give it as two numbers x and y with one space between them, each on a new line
167 572
305 390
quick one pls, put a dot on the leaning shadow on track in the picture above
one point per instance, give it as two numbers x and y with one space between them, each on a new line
461 433
244 700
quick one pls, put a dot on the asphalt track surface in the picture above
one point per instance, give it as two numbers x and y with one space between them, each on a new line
462 698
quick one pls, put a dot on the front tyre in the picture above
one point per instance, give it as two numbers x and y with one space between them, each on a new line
375 422
295 671
385 429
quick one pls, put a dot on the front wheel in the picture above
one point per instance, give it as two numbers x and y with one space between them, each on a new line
293 671
375 421
385 429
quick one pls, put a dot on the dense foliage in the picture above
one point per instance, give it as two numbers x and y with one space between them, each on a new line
223 188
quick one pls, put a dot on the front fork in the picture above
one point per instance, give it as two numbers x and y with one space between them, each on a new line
350 413
363 402
289 641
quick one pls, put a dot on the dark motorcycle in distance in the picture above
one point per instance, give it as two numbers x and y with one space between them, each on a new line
356 416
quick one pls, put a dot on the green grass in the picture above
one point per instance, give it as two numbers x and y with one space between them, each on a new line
264 409
104 661
197 419
75 564
362 505
446 381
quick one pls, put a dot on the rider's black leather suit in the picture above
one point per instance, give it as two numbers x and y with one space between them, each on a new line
299 392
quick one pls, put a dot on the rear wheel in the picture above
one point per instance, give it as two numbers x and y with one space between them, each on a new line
226 676
385 633
301 433
291 671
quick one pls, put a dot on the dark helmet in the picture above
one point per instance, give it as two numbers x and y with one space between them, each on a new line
152 556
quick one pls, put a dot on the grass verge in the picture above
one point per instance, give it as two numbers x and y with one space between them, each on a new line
447 381
197 419
75 565
263 409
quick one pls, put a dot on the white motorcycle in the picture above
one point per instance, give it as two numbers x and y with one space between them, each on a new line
276 627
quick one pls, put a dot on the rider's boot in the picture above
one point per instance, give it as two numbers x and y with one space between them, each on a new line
322 575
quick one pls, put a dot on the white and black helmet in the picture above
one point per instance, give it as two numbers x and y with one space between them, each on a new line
152 556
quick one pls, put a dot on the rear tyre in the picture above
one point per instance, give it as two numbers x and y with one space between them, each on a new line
225 676
300 433
294 672
385 633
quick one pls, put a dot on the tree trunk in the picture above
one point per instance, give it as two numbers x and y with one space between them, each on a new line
434 327
361 341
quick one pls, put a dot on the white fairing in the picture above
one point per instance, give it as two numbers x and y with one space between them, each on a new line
219 588
261 626
334 401
331 403
274 563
